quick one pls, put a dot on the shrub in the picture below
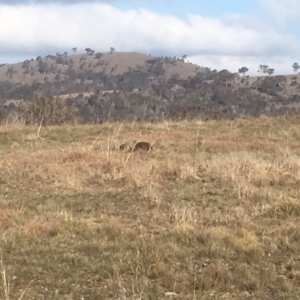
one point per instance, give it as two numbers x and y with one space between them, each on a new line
46 110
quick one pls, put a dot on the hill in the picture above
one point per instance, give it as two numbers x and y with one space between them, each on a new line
85 65
134 86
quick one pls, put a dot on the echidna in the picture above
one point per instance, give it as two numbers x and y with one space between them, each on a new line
142 146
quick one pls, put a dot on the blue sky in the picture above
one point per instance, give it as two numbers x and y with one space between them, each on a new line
181 8
221 34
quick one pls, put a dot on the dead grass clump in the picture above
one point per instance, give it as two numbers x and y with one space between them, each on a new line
141 172
185 223
169 175
114 229
221 239
217 277
183 214
36 228
246 242
283 209
247 167
10 217
234 218
151 195
258 280
189 173
7 283
152 260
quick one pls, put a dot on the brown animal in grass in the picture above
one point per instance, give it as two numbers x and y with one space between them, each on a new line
123 147
145 146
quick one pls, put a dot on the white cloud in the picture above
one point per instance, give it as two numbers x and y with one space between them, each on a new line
229 42
282 9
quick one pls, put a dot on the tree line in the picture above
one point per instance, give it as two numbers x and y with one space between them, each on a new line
265 69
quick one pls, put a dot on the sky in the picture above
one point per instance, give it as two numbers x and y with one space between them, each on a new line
220 34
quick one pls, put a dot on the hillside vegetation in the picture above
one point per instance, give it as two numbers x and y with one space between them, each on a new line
212 212
126 86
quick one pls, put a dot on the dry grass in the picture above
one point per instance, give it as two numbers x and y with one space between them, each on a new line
211 213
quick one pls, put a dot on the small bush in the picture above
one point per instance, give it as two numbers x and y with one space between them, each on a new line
46 110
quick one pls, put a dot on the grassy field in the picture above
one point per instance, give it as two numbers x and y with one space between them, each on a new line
212 212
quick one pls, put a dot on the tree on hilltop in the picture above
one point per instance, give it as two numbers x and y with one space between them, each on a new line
265 69
74 50
270 71
243 70
88 50
262 68
296 67
112 50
